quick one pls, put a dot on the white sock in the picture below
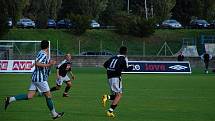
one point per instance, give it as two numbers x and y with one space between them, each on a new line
54 113
108 97
12 99
111 109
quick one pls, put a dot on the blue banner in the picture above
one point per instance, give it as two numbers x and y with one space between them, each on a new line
159 67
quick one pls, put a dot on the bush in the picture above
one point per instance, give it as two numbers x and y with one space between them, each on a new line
122 23
134 25
141 27
80 23
3 21
42 20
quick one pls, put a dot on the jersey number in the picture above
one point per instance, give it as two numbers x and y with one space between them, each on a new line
113 63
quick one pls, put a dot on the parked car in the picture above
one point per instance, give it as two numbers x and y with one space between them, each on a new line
94 24
51 23
10 23
170 24
212 24
199 24
25 23
96 53
64 24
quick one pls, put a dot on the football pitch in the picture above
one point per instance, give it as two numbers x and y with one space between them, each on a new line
147 97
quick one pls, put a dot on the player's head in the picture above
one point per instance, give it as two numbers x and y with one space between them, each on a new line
44 44
68 57
123 50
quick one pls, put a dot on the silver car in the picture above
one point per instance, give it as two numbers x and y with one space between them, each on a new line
171 24
25 23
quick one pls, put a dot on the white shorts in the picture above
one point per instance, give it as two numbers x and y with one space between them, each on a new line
41 86
115 85
62 79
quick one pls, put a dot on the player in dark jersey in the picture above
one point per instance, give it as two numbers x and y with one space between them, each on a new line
206 57
62 69
115 65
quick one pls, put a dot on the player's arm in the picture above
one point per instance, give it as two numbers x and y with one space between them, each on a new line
58 75
72 75
106 64
39 64
126 66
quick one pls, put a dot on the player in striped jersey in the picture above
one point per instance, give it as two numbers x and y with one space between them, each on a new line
39 81
62 69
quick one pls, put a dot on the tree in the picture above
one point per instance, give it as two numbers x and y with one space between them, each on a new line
15 8
113 8
80 23
3 17
83 7
208 9
162 9
185 10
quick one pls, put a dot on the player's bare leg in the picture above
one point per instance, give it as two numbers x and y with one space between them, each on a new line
114 104
57 87
68 86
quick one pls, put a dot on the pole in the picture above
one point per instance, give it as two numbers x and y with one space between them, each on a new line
143 48
101 45
79 47
57 48
146 10
128 7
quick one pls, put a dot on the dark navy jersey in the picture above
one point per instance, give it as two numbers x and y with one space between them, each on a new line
64 67
115 65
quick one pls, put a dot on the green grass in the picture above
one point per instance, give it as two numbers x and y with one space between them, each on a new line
92 39
147 97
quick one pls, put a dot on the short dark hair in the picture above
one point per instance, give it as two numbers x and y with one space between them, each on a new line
44 44
123 50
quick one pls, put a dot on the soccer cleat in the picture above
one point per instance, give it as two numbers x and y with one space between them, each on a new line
58 115
104 100
65 95
110 114
6 103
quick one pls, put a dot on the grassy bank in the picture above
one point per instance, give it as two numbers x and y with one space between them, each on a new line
106 40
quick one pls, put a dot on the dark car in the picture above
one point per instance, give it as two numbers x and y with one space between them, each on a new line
171 24
212 24
26 23
96 53
199 24
51 23
64 24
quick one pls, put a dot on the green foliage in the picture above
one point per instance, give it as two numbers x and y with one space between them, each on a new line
80 23
141 27
162 9
83 7
113 8
122 23
3 18
134 25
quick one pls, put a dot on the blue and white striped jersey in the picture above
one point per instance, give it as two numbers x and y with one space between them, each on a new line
41 74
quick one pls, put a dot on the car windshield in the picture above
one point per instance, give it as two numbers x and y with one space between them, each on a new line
172 21
26 20
202 21
51 20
